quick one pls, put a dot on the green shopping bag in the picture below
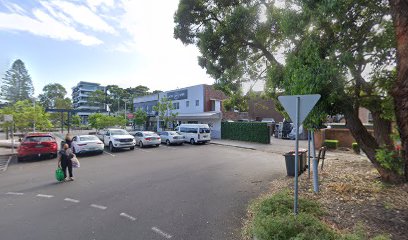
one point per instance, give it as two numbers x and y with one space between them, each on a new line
59 174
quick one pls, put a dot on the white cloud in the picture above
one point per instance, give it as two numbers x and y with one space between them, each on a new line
83 15
45 25
94 4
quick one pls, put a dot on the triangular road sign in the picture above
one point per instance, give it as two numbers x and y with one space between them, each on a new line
306 104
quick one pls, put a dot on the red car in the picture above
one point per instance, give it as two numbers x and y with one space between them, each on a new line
37 145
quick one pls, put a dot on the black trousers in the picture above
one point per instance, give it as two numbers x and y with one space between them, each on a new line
65 165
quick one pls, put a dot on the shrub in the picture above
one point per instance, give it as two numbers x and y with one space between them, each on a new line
391 160
332 144
356 147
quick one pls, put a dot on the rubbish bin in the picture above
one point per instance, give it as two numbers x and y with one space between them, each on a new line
290 162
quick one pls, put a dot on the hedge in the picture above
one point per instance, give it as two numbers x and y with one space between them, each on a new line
333 144
246 131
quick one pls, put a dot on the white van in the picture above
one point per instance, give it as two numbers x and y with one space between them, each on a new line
195 133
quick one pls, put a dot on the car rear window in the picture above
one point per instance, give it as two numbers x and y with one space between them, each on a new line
204 130
39 139
88 138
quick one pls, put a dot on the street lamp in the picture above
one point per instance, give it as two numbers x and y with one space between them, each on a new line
35 113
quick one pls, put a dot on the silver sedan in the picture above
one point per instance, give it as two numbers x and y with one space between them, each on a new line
147 138
171 137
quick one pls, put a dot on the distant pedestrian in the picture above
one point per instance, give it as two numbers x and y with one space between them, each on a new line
68 139
64 161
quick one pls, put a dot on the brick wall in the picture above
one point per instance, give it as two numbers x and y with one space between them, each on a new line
211 93
342 135
259 108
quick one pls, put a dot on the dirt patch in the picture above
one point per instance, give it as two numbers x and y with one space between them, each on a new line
353 196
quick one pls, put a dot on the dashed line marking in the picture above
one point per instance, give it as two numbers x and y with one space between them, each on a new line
45 196
71 200
99 206
128 216
15 193
142 150
4 163
160 232
109 153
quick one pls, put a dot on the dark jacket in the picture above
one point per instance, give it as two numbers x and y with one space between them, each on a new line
66 155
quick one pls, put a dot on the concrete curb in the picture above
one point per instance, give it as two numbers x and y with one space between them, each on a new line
230 145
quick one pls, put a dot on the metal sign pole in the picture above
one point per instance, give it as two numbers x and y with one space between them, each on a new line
296 155
315 167
308 152
12 139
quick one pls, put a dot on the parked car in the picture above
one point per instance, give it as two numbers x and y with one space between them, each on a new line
195 133
146 138
87 143
171 137
37 145
116 138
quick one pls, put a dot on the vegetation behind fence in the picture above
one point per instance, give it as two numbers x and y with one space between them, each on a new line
246 131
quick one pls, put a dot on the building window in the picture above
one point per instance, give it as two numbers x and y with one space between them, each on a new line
197 102
176 105
212 105
187 103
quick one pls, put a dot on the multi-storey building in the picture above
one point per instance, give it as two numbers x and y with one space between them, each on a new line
80 97
195 104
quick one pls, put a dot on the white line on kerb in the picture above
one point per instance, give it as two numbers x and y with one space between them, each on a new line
160 232
109 153
71 200
128 216
15 193
99 206
8 162
45 196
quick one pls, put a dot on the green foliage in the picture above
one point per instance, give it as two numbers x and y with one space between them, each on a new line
76 121
51 94
140 117
25 115
390 160
99 121
243 131
332 144
274 219
17 84
97 98
356 147
164 108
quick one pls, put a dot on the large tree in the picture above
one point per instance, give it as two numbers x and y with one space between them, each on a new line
51 93
343 50
400 88
17 84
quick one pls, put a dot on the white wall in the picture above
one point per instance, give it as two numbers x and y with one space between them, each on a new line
193 93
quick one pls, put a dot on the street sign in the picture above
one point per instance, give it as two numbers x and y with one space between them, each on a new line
8 118
130 115
298 107
307 102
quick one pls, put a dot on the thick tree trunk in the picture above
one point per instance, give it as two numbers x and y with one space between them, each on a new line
382 131
368 144
399 11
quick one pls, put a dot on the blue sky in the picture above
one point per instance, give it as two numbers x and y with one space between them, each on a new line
122 42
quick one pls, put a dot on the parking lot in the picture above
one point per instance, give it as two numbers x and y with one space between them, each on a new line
177 192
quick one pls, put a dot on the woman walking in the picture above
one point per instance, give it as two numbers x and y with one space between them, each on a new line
64 161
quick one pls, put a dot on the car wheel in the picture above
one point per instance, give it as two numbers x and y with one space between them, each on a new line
20 159
101 152
140 144
168 142
192 142
111 147
132 148
157 145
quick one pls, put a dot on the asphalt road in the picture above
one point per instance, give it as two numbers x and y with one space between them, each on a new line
177 192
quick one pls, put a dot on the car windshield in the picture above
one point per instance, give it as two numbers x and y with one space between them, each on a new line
119 132
204 130
39 139
88 138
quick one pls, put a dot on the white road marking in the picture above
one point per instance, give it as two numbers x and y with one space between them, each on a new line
142 150
128 216
160 232
109 153
45 196
171 148
15 193
99 206
71 200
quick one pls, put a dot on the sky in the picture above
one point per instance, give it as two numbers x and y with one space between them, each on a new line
122 42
